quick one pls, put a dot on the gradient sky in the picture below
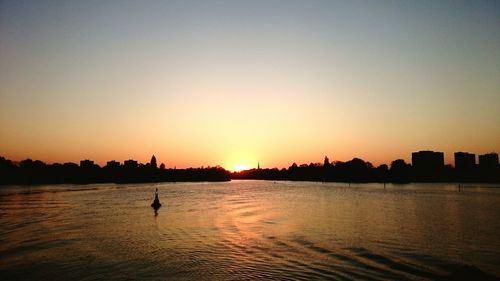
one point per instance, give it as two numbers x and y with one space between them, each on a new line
237 82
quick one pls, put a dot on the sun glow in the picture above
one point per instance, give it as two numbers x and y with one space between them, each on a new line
240 167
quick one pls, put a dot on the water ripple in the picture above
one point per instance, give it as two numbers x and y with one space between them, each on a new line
243 231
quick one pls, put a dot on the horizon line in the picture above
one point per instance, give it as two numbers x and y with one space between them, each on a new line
259 165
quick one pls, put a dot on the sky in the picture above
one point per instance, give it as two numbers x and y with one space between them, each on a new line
205 83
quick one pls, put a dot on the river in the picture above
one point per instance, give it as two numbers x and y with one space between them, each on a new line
247 230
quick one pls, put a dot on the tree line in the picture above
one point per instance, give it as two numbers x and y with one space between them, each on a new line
37 172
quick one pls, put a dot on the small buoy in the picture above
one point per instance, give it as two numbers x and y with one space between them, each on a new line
156 203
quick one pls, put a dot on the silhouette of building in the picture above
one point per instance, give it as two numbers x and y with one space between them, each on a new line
428 165
425 160
489 160
258 165
465 161
113 164
153 163
85 164
130 163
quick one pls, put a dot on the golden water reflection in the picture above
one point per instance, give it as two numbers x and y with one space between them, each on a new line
247 230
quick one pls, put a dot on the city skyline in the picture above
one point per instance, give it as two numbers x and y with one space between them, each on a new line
426 159
449 159
425 166
236 83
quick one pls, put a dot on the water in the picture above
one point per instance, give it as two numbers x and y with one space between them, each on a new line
247 230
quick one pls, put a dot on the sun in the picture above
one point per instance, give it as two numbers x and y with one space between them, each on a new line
240 167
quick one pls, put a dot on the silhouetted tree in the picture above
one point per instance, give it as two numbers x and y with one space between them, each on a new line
326 162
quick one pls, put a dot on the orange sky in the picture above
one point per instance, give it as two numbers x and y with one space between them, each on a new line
228 83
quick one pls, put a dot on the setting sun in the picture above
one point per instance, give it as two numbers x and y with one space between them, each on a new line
240 167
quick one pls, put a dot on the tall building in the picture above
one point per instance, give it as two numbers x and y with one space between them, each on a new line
465 160
489 160
428 165
427 160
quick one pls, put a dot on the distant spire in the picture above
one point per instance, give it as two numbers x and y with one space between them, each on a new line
258 165
153 162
